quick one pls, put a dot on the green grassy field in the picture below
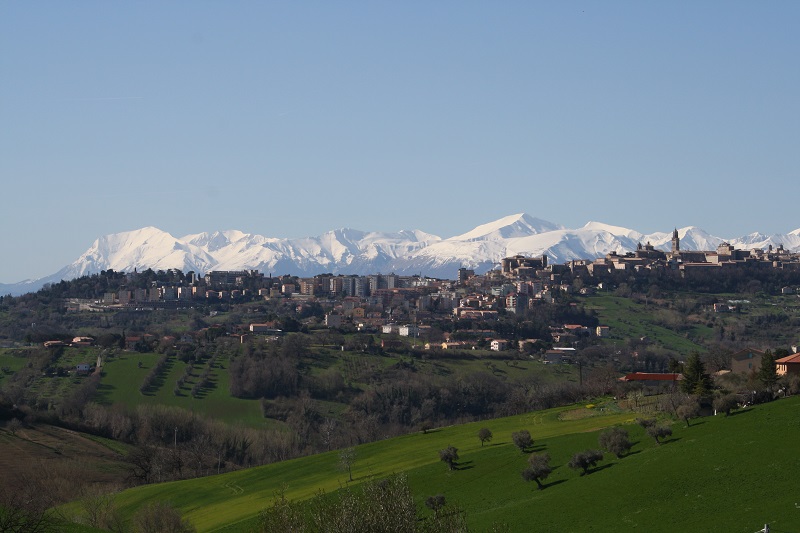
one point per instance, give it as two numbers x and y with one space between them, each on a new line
10 362
631 320
122 378
721 474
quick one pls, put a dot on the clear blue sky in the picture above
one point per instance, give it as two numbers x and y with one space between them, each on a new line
289 119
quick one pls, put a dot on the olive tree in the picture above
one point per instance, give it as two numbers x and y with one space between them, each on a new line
538 469
449 455
522 439
726 404
585 460
615 440
659 432
688 410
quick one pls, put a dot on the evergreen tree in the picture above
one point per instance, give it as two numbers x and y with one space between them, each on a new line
695 378
768 373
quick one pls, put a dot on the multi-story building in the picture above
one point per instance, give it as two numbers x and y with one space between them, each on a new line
335 286
392 281
231 277
408 330
185 293
169 294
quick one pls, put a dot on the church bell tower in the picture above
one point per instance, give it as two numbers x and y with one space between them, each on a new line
676 242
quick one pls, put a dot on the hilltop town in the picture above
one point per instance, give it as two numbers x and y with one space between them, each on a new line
407 305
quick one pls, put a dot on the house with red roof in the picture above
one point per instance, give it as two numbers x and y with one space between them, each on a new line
789 365
654 380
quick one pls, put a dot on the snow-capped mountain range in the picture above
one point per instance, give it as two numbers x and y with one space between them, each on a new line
349 251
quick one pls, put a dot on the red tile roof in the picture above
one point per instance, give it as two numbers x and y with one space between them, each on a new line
648 376
791 359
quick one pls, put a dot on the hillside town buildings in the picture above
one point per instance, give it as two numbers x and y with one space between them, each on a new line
404 305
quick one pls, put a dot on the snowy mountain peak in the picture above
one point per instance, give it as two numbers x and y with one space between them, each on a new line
513 226
614 230
214 240
350 251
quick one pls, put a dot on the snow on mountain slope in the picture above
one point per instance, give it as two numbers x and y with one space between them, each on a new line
446 257
141 249
349 251
692 238
614 230
333 251
790 241
519 225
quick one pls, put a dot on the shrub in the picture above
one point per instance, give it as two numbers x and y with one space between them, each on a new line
160 517
725 404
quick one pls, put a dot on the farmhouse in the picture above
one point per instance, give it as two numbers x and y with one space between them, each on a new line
746 361
499 345
789 365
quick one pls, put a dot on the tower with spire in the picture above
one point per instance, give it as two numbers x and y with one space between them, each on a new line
676 242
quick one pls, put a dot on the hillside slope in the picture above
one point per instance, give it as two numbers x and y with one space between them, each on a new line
720 474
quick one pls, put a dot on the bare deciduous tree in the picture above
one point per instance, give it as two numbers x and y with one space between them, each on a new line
522 439
347 458
484 435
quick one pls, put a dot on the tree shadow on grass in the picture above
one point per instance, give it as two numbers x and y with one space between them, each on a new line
630 453
740 412
465 465
103 393
553 483
536 448
673 439
599 468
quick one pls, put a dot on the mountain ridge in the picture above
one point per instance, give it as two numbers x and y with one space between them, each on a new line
352 251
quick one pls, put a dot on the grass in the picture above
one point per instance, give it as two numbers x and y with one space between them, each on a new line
721 474
122 378
215 502
631 320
